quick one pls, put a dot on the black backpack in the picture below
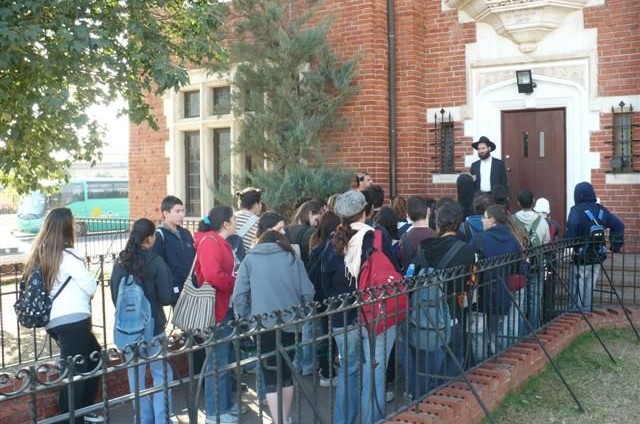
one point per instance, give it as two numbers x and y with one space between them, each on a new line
594 250
33 306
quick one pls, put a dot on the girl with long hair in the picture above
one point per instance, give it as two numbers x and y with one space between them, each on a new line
273 278
153 274
303 223
70 319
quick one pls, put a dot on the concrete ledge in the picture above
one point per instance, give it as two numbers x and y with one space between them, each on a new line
496 377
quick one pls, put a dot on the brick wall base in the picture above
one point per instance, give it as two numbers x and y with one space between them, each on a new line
494 379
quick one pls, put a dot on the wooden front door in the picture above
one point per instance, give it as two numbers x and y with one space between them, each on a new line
534 151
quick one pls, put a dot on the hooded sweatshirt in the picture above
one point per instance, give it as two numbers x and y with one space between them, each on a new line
215 266
270 279
435 249
578 223
495 241
528 217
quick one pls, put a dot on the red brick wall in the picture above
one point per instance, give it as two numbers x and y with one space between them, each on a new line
618 75
148 166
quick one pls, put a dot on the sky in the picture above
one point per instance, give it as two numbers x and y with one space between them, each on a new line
117 128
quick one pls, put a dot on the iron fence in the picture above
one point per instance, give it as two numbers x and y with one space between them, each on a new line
409 360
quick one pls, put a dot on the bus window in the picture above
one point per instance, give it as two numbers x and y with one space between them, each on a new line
107 190
70 193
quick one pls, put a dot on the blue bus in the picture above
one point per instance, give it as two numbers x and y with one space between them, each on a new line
98 204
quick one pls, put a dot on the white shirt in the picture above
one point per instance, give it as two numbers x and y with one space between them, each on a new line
485 174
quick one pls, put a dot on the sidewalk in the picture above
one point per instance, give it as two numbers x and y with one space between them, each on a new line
301 411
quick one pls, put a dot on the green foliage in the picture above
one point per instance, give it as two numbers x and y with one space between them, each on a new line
56 59
281 190
290 84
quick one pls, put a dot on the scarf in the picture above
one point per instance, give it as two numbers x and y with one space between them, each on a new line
353 255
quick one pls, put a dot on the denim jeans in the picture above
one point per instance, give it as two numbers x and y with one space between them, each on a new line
422 367
217 384
373 371
152 407
583 280
534 299
513 325
306 364
349 346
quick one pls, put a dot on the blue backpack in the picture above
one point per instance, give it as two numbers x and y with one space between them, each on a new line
471 226
429 316
134 319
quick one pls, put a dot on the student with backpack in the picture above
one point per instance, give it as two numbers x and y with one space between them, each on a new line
543 208
366 266
418 211
587 223
472 224
536 230
140 287
435 317
66 277
498 238
174 243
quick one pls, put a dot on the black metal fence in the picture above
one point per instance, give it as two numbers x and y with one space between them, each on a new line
484 314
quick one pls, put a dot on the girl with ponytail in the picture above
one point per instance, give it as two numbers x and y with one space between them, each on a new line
153 274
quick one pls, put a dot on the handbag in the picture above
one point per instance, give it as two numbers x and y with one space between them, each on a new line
195 308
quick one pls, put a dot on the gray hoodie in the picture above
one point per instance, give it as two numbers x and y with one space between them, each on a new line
527 218
270 279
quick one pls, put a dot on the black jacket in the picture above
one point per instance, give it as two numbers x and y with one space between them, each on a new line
156 284
178 252
498 173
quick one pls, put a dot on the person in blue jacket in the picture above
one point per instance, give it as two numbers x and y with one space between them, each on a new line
585 270
499 238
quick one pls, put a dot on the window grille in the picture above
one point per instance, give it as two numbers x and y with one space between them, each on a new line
622 139
444 143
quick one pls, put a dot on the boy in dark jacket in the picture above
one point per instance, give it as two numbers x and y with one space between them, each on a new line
586 260
174 243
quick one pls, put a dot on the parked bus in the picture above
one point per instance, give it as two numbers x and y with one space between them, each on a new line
104 200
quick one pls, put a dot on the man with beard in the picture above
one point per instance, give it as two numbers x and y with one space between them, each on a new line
487 171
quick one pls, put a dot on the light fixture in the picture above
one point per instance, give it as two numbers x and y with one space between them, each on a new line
525 81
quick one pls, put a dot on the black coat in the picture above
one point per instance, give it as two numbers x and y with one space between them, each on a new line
498 173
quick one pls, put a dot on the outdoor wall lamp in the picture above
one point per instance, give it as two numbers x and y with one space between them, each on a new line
525 81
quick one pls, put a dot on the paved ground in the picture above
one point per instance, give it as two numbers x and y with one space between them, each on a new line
302 412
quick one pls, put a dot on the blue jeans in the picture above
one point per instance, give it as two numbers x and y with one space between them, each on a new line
217 384
349 346
373 371
152 407
422 367
534 299
583 280
306 364
513 326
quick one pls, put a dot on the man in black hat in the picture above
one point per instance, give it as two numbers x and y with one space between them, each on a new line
488 171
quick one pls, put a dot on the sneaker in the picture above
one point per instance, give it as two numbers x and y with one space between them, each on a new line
225 418
93 418
389 396
238 410
328 382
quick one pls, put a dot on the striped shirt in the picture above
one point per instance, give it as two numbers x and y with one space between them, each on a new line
248 239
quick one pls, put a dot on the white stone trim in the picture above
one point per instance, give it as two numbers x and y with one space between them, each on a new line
616 179
444 178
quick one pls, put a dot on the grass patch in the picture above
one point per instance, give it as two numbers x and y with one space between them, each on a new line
609 392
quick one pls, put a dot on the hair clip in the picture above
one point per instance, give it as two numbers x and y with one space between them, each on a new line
206 220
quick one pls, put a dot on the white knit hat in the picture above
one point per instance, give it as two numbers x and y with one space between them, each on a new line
542 205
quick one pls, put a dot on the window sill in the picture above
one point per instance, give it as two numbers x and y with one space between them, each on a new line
619 178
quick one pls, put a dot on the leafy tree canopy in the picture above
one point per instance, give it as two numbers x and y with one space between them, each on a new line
57 58
290 85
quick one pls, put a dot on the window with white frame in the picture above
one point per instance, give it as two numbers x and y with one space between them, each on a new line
222 157
191 104
192 173
221 100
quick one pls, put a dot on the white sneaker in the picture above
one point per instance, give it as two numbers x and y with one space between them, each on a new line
225 418
93 418
389 396
328 382
235 410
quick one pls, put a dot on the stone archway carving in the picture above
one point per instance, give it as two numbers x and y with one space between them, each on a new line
525 22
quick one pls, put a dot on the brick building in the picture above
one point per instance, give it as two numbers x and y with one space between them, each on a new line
451 78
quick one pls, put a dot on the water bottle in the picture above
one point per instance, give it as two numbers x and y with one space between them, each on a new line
410 270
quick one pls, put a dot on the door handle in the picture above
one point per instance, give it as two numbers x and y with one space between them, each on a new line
525 144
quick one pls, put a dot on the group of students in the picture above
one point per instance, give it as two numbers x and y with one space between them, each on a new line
259 265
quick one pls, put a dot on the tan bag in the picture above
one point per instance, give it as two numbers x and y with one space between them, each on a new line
195 308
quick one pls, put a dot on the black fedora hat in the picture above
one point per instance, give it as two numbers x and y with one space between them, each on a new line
486 141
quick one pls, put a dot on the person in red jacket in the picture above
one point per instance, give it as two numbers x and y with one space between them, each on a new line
215 266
